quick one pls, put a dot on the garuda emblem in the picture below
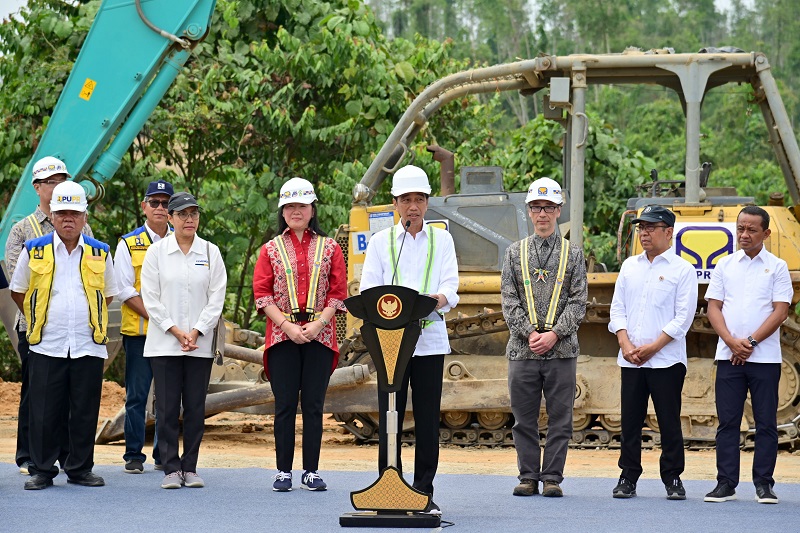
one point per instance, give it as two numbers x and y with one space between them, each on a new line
389 306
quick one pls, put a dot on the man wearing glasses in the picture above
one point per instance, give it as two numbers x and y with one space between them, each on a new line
544 291
47 173
138 374
64 282
654 303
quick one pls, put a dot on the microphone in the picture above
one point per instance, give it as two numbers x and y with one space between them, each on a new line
397 261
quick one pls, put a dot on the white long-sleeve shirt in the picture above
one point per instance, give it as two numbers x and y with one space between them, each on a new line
187 291
747 289
378 270
653 297
67 331
123 269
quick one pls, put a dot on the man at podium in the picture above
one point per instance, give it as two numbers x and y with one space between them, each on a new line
414 254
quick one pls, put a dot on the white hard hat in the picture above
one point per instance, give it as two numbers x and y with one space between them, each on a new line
410 179
68 196
48 166
545 189
296 191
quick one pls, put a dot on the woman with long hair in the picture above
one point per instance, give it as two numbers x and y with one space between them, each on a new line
300 282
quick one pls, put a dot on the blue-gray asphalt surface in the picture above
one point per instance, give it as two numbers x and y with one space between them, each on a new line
242 500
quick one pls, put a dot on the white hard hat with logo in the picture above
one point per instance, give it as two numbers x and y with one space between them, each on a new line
68 196
48 166
297 191
410 179
545 189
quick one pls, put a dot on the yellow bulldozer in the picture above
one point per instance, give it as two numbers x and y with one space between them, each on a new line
484 220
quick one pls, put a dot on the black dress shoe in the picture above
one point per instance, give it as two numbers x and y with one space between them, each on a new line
38 482
88 479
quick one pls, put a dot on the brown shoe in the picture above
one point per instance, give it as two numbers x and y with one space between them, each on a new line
551 489
526 487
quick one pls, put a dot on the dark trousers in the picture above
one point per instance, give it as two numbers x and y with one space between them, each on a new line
527 380
56 383
732 384
424 374
180 380
664 385
295 369
138 377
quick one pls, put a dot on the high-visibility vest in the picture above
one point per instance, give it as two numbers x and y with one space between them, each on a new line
42 265
313 281
426 279
528 285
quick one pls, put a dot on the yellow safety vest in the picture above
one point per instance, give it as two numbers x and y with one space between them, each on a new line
313 281
43 266
137 241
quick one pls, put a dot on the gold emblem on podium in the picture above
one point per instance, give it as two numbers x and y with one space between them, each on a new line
389 306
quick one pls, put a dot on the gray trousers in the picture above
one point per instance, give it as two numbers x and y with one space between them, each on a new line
527 380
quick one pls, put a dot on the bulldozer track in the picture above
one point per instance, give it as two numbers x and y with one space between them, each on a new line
480 428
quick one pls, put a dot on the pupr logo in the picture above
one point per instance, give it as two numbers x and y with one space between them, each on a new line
703 245
389 306
542 191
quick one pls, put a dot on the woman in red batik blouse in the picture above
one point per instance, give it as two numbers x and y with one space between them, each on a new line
300 282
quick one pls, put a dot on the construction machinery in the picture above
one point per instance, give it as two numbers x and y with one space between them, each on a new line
484 220
114 87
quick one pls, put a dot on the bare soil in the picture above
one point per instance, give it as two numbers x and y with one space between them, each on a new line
241 440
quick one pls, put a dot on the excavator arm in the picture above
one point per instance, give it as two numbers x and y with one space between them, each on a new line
134 51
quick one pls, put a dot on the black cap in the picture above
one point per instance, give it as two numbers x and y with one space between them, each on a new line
656 213
159 187
180 201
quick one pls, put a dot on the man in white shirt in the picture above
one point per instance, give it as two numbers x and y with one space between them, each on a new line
654 303
46 174
748 299
63 283
416 255
128 262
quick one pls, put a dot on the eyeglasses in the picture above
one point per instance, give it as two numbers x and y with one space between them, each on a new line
155 203
545 208
184 215
650 228
50 182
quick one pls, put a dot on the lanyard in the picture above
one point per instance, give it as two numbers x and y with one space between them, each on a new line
426 281
526 281
290 279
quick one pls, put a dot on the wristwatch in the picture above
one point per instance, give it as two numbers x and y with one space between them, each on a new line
753 342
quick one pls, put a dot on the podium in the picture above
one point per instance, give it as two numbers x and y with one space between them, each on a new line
391 329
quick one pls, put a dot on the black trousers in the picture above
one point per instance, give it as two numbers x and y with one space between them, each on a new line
295 369
424 374
664 385
56 384
180 380
731 386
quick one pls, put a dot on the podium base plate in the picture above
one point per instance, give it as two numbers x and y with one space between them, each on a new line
399 520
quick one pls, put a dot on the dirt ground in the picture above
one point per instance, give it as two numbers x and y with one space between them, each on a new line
241 440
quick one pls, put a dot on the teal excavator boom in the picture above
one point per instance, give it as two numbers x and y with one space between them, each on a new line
134 51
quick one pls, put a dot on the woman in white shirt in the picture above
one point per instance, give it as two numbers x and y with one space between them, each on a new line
183 289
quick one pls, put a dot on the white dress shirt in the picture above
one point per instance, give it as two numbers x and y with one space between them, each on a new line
187 291
653 297
123 269
747 289
67 331
378 270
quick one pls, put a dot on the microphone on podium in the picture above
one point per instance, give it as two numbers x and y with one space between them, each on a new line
397 261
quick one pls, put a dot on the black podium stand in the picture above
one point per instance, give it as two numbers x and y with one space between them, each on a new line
391 329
